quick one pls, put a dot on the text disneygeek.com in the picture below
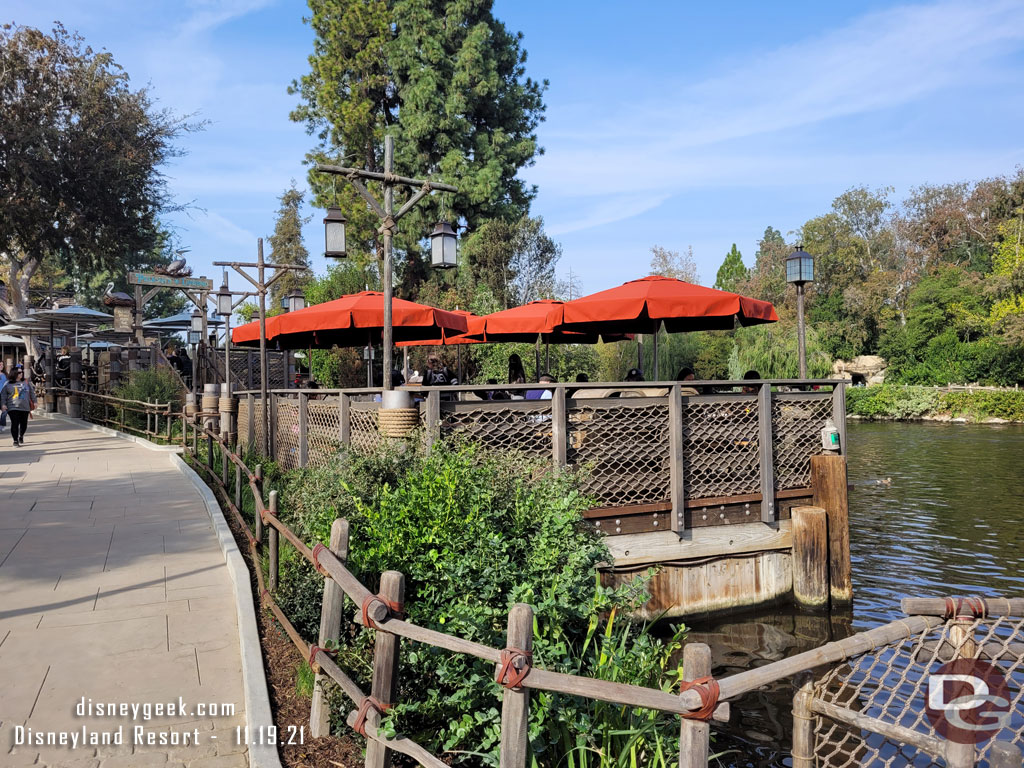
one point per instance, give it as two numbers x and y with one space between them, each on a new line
142 735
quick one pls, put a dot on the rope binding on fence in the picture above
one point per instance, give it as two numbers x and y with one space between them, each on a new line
395 609
316 561
965 607
365 705
313 650
508 674
708 690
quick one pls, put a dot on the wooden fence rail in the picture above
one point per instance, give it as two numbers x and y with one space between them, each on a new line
330 561
122 414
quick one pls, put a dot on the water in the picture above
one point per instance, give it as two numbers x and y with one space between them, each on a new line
950 521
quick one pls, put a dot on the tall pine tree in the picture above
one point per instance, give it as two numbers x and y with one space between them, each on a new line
732 273
286 245
448 80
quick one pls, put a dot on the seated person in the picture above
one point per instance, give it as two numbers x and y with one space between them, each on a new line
541 394
687 374
750 375
634 374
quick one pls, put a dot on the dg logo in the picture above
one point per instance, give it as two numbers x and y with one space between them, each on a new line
968 701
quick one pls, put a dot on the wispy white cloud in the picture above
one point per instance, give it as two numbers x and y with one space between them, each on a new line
726 129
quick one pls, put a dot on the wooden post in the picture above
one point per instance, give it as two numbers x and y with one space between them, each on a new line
273 555
258 472
330 629
677 482
764 422
433 417
961 636
224 459
515 705
238 487
209 452
271 426
303 429
251 415
803 722
344 424
695 735
559 423
384 687
810 557
248 371
839 414
1004 754
828 478
169 419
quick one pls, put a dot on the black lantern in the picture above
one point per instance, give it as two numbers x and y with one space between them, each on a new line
799 267
443 250
224 299
295 300
334 234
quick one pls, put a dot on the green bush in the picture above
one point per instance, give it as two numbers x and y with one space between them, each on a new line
891 401
982 404
156 385
475 533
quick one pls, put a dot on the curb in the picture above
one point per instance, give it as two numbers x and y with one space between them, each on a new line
254 681
82 424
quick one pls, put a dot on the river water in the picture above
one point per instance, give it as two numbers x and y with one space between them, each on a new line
935 509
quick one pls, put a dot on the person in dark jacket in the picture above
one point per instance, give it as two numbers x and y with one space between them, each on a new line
18 400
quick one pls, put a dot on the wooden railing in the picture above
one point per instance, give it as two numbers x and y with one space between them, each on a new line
207 449
153 420
647 448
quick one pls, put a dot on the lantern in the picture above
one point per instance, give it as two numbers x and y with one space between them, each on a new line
334 234
799 267
296 300
224 300
443 246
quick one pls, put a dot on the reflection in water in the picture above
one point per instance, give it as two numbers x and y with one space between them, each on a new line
949 522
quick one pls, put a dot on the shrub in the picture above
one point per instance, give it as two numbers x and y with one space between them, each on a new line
891 400
157 385
981 404
475 533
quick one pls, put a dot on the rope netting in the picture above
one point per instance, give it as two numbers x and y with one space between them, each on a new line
892 684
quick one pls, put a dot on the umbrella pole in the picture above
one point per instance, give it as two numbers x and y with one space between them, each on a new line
655 350
640 352
536 361
547 357
458 355
405 364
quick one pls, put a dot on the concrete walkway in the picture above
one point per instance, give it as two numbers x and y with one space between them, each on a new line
113 589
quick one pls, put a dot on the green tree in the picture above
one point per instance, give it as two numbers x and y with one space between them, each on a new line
286 245
767 280
674 264
80 161
516 260
733 272
448 80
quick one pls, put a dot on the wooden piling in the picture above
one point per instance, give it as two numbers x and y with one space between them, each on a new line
803 722
695 735
273 554
258 472
330 629
828 479
384 687
810 557
238 487
515 705
224 459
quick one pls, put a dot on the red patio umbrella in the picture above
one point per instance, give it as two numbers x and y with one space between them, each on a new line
474 324
642 306
352 321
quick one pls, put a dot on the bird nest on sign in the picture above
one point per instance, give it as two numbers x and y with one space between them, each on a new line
169 271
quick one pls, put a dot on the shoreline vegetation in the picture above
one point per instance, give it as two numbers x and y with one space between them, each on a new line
899 402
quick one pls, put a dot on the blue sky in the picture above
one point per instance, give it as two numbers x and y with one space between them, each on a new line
669 123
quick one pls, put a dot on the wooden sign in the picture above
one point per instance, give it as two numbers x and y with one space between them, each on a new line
166 281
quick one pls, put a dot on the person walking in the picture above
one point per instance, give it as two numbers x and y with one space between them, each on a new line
3 414
18 400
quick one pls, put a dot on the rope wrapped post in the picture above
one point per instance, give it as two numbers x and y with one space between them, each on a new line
695 735
258 472
803 722
515 704
330 629
961 635
273 555
384 687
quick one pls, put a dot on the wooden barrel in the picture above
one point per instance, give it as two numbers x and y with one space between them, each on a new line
398 422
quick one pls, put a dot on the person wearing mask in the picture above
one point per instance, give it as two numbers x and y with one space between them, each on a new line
18 399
